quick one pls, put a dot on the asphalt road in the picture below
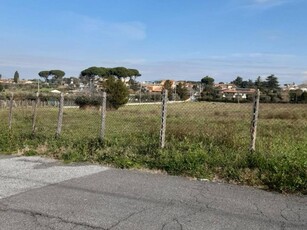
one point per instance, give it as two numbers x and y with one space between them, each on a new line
37 193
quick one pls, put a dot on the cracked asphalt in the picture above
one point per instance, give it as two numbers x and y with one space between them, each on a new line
38 193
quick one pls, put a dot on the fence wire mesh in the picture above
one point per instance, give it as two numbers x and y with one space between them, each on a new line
281 127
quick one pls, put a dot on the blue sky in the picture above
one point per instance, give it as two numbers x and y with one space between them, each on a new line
163 39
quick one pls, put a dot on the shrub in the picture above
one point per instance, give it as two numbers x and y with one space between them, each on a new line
117 93
84 101
1 87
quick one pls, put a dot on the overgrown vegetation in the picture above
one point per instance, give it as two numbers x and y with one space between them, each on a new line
84 101
204 140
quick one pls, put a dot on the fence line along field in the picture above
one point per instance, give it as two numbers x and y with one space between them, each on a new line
203 140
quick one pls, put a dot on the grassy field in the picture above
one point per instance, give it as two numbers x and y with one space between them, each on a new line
203 140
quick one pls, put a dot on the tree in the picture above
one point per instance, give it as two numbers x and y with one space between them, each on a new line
66 80
133 73
270 89
238 81
182 91
102 72
259 84
272 83
248 84
120 72
57 75
90 73
208 90
1 88
207 81
304 97
44 74
298 96
117 92
0 76
168 85
134 85
16 77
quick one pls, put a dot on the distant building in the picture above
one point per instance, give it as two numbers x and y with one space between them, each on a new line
26 82
303 87
293 86
157 87
6 81
153 88
225 86
243 93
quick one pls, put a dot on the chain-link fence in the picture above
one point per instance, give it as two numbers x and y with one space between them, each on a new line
281 127
258 144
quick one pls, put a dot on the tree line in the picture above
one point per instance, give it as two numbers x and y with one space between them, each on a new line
107 79
103 72
269 87
89 74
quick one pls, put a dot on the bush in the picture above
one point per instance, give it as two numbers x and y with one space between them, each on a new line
84 101
282 172
117 93
1 87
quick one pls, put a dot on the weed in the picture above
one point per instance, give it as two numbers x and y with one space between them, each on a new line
202 141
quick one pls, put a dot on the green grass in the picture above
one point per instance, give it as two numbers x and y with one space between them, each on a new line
203 140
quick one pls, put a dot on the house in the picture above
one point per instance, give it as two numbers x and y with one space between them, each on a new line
288 87
25 82
303 87
243 93
173 83
157 87
225 86
6 81
154 88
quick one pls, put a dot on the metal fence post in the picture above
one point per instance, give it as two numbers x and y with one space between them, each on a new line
60 116
254 121
103 115
163 119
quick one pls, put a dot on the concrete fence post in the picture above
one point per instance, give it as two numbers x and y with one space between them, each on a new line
34 114
163 118
11 111
60 116
103 115
254 121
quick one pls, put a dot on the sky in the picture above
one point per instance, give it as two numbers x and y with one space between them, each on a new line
163 39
